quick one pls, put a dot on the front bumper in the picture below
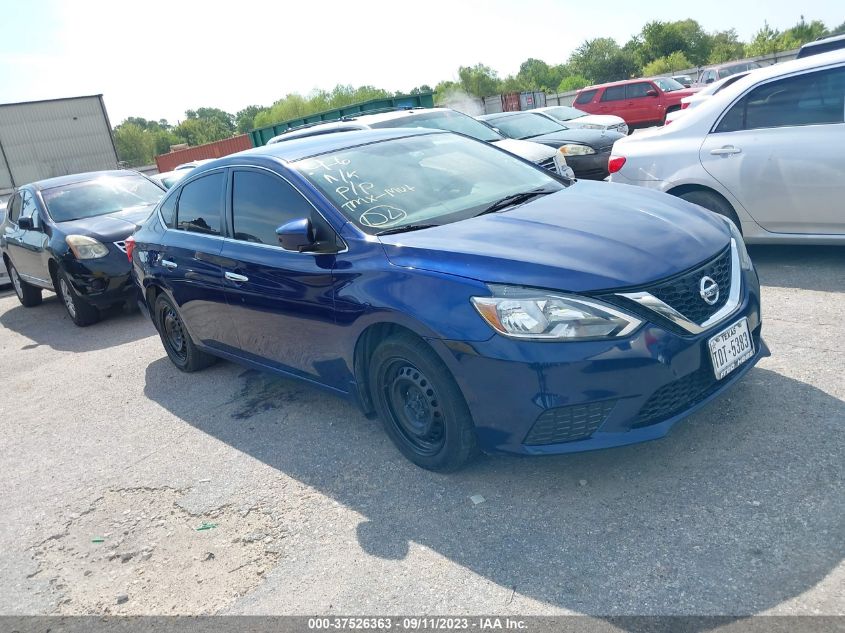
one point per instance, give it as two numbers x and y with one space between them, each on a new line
590 166
103 282
592 395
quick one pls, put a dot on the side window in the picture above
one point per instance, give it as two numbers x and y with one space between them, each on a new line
168 210
14 209
198 209
613 93
637 90
261 203
815 98
586 96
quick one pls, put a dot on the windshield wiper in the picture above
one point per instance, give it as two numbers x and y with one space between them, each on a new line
515 198
407 227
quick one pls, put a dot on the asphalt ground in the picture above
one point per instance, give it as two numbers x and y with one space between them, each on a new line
127 487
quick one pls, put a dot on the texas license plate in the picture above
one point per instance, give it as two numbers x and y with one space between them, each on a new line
730 348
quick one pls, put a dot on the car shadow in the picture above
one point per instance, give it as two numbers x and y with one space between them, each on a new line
49 324
809 267
738 510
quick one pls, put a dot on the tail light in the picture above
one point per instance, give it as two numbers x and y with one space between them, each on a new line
129 244
615 164
684 105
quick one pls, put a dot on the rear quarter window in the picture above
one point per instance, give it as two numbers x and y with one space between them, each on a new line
586 96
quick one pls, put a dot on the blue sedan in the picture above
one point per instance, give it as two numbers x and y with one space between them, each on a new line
469 299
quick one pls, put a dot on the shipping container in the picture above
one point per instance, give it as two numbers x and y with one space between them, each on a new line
510 102
43 139
260 136
531 100
217 149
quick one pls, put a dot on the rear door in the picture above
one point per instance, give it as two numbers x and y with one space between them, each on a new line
282 301
778 150
613 101
189 262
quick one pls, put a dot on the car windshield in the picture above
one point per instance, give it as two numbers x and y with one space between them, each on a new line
430 179
100 196
565 113
447 120
668 85
526 125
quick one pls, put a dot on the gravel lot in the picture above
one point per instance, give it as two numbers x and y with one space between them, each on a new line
112 459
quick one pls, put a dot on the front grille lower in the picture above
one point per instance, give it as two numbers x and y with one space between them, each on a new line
549 164
568 424
677 396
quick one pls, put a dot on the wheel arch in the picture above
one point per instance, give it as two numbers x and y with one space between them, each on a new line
690 187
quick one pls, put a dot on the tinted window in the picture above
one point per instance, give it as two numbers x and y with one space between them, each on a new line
261 203
811 99
168 211
28 209
635 91
613 93
14 209
199 205
586 96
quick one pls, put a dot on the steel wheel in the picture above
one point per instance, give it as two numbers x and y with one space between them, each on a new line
174 333
16 282
65 291
414 407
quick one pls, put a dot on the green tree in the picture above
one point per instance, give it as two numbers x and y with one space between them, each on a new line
478 80
667 65
444 89
661 39
725 47
245 119
838 30
804 32
420 89
134 145
572 82
535 74
216 118
601 60
768 40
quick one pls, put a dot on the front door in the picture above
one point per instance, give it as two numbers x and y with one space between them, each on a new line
282 302
28 247
778 150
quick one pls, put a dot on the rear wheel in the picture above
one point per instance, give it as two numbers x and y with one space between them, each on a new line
713 202
421 406
78 309
177 342
28 295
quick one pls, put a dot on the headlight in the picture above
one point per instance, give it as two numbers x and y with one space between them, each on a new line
526 313
592 126
573 149
85 247
744 257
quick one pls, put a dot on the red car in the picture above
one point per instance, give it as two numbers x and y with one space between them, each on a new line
641 102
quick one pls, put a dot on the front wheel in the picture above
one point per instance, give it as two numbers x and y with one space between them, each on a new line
28 295
421 406
78 309
177 342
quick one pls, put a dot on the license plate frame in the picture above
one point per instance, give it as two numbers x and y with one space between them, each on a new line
730 348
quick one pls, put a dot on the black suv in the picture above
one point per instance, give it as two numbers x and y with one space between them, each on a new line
67 234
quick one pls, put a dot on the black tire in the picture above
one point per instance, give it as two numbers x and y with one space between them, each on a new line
28 295
712 202
78 309
175 338
421 406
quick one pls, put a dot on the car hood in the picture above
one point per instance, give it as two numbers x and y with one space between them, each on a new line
535 152
608 120
587 237
111 227
593 138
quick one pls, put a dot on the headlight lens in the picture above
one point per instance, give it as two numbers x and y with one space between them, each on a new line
537 314
744 257
85 247
574 149
592 126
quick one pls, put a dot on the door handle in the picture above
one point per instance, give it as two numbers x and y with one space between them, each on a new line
168 264
727 150
236 277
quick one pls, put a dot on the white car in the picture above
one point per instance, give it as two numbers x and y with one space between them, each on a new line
765 152
699 97
575 118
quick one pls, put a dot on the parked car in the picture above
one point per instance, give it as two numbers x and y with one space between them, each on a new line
67 234
470 299
685 80
578 119
765 152
169 178
641 102
438 119
4 274
192 164
714 73
586 151
702 95
822 45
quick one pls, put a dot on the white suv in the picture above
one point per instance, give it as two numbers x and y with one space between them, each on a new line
766 152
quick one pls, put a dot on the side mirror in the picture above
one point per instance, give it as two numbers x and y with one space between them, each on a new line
651 93
26 224
297 235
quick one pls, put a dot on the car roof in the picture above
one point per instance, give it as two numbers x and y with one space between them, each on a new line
786 68
298 148
824 41
60 181
503 115
622 82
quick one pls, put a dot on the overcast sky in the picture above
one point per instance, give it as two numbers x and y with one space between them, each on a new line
156 59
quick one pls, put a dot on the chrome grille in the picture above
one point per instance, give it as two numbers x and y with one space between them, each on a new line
121 245
549 164
683 292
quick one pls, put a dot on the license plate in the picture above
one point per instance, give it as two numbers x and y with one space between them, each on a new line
730 348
